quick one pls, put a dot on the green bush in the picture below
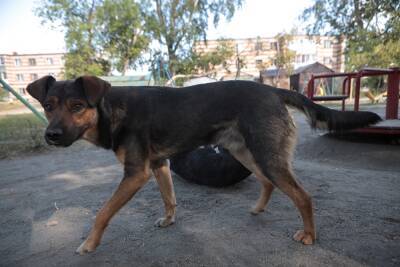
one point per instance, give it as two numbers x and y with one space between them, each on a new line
20 133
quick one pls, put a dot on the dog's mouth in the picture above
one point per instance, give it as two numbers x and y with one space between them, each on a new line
59 143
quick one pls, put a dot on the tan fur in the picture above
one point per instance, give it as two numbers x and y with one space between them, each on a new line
164 180
126 190
120 154
232 140
87 117
89 120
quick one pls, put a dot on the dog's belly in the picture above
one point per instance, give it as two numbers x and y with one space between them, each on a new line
227 135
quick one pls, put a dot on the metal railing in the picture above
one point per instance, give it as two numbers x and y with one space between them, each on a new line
392 104
23 100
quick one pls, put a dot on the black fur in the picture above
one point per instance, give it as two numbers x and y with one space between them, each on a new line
336 120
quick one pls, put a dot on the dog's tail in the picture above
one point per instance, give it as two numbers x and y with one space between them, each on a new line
323 118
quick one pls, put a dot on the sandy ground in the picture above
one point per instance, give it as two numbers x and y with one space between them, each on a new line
355 188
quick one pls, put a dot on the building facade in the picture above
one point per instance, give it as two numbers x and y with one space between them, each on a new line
258 54
18 70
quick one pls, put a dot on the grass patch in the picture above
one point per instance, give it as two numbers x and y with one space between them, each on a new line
20 133
5 106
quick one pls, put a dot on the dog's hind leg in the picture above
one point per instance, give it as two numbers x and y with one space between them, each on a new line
265 147
244 156
265 195
232 140
163 176
285 181
283 178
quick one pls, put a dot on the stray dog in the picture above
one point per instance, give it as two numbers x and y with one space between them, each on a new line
144 126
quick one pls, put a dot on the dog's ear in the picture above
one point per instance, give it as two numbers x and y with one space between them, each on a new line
94 88
38 89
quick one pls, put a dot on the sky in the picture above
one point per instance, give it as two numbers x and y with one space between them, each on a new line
21 31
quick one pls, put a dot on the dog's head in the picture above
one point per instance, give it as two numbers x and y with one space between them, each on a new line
70 106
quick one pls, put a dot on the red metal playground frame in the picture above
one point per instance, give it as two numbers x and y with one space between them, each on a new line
392 124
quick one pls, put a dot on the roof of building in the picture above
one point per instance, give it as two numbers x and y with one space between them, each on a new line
272 72
31 54
310 66
133 80
199 80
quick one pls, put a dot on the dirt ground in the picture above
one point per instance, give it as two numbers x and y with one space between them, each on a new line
48 202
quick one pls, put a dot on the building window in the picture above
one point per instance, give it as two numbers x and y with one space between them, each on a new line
2 61
258 46
259 62
32 62
274 46
17 62
20 77
314 57
21 91
3 75
327 44
34 76
327 60
50 61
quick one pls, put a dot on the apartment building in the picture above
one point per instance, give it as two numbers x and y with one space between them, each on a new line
259 53
18 70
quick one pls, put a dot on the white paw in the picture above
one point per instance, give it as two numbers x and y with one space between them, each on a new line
164 222
256 211
85 248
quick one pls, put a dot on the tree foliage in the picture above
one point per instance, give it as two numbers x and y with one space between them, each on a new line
77 19
205 62
178 24
372 29
284 57
101 34
98 33
122 32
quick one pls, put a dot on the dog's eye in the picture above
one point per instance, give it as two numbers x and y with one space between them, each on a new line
47 107
77 107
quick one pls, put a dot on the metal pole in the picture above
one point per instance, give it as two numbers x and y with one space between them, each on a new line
310 88
357 92
392 103
24 101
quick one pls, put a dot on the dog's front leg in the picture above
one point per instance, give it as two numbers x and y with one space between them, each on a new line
163 176
130 184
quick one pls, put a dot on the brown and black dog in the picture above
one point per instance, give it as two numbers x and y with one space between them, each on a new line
144 126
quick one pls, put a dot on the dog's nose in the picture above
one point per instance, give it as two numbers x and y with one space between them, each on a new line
53 134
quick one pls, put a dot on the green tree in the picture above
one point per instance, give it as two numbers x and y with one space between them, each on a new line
99 34
122 32
372 29
178 24
206 62
77 20
284 57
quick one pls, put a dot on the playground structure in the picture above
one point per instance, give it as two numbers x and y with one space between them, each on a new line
391 124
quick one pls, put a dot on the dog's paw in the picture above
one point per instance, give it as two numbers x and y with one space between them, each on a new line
256 211
164 222
86 247
303 237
